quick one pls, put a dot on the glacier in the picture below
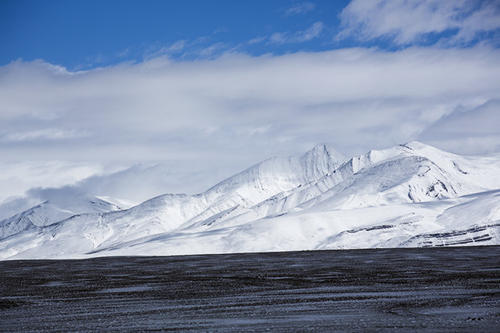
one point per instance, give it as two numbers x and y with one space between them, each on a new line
410 195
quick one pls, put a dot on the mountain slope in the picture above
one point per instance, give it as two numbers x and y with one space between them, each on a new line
167 212
51 212
408 195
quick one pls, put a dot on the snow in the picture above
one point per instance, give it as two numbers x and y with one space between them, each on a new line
407 195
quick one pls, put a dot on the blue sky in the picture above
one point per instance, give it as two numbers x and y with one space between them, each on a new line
87 34
92 33
207 88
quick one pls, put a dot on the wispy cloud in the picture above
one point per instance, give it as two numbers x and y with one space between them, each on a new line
211 50
279 38
301 36
176 47
256 40
300 8
43 134
312 32
198 48
410 21
171 49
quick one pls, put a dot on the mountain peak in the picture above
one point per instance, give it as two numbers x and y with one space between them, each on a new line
415 145
428 151
327 150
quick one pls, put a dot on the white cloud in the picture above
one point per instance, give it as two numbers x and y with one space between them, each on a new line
175 47
211 50
256 40
210 118
155 51
408 21
278 38
301 36
18 177
300 8
312 32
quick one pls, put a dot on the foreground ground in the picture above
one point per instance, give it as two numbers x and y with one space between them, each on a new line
435 289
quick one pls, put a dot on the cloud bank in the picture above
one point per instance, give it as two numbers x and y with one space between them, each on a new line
211 118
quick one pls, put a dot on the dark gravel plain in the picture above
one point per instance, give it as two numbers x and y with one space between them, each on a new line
427 289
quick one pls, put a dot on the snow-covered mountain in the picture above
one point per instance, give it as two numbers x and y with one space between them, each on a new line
408 195
52 211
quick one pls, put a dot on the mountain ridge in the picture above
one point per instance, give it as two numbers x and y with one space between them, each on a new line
412 185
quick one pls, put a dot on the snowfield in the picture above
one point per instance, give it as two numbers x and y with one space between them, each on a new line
411 195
